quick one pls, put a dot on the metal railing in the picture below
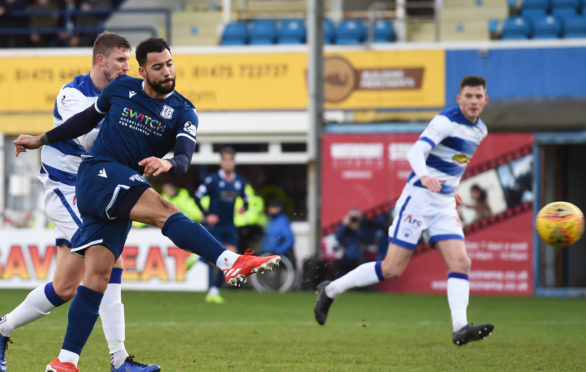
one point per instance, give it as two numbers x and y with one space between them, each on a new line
87 30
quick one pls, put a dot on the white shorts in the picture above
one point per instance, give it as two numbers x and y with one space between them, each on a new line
61 207
416 214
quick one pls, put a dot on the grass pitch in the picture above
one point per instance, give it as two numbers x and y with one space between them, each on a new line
366 331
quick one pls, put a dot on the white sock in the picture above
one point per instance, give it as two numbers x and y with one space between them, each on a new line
68 356
35 305
361 276
458 293
213 291
112 316
118 358
226 259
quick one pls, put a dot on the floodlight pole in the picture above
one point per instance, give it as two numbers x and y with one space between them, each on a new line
315 71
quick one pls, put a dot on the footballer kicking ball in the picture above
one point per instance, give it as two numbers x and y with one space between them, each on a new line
560 224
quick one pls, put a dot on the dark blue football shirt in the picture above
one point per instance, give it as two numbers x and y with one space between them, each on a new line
223 194
137 126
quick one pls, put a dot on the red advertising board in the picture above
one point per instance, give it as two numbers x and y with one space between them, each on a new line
367 170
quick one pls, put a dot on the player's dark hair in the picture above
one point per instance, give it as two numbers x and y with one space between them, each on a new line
106 42
150 45
472 81
227 150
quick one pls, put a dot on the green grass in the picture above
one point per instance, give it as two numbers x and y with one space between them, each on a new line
366 331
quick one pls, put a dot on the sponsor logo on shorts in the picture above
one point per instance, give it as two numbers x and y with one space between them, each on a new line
136 178
409 219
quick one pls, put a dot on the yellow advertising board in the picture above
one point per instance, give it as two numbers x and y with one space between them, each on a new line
389 79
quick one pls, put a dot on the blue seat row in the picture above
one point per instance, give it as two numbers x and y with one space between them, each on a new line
559 8
547 27
293 31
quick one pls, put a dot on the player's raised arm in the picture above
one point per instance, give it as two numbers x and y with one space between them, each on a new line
74 127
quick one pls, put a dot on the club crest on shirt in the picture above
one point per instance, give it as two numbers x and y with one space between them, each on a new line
189 128
167 112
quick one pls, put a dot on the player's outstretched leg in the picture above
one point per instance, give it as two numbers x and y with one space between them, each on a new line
246 265
322 303
195 238
472 332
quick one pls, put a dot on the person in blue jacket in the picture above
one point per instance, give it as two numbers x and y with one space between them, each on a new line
279 238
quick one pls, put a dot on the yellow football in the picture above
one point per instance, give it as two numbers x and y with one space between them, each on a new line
560 224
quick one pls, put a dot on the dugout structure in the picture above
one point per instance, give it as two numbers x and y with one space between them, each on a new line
558 175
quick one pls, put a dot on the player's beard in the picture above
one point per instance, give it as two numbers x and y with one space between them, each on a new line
159 88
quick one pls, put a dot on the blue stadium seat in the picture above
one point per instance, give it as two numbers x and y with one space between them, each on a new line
565 4
516 28
549 27
263 32
564 12
575 27
292 31
533 13
350 32
235 33
383 31
329 31
535 4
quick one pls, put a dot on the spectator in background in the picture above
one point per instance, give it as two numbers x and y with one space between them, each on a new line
252 222
479 203
40 19
67 38
91 20
279 238
350 235
7 20
182 200
223 188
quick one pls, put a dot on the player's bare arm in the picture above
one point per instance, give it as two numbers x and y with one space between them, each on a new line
27 142
432 184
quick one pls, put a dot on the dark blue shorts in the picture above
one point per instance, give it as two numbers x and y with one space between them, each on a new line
101 185
225 234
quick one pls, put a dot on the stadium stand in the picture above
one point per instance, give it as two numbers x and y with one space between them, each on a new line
263 32
542 19
383 31
235 33
516 28
549 27
575 27
292 31
350 32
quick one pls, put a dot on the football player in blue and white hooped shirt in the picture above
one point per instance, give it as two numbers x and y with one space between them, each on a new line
59 165
144 119
429 203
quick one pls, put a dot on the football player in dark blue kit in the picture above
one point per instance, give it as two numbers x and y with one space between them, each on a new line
144 119
223 188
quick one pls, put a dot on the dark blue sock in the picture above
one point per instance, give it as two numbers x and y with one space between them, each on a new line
192 237
82 317
211 272
52 296
219 280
